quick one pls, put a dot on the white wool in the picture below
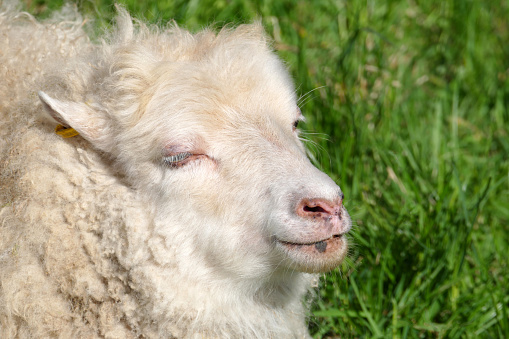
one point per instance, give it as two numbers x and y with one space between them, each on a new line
101 237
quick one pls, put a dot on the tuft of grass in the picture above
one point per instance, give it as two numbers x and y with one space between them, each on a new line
413 97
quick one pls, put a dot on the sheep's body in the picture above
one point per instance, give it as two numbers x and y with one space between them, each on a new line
113 244
53 280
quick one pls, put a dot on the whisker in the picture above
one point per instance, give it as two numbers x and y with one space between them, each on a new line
303 99
314 149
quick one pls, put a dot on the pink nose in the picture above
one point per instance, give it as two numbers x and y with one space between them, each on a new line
319 208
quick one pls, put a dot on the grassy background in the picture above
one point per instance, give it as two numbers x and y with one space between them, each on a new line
409 99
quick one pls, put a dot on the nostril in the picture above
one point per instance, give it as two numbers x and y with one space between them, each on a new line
319 207
316 209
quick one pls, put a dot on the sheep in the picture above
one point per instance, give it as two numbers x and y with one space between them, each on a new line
183 205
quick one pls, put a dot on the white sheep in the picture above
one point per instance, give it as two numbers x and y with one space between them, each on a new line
185 208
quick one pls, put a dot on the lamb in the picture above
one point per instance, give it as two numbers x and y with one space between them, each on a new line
185 208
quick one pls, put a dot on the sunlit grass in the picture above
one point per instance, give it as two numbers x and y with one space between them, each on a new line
412 99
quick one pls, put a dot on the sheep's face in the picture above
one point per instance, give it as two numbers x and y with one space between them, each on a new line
217 150
229 172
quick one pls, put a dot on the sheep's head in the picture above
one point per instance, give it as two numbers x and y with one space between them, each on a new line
212 139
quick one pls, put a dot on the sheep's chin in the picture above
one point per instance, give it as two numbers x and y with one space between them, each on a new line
321 256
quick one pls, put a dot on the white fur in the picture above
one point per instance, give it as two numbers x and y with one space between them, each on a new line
99 237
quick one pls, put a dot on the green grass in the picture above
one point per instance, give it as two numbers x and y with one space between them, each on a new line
410 99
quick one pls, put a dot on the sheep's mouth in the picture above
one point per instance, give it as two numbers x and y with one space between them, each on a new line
314 257
320 246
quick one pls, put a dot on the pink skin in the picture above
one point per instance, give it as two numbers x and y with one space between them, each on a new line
325 220
327 213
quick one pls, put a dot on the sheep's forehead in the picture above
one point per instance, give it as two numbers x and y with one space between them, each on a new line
202 103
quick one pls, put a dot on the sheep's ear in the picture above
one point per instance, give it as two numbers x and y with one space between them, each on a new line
90 123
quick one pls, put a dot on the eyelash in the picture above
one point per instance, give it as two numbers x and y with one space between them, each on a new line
177 160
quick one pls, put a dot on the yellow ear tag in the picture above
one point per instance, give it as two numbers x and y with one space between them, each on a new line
66 132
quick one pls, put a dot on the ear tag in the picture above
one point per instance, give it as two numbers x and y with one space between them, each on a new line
65 132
